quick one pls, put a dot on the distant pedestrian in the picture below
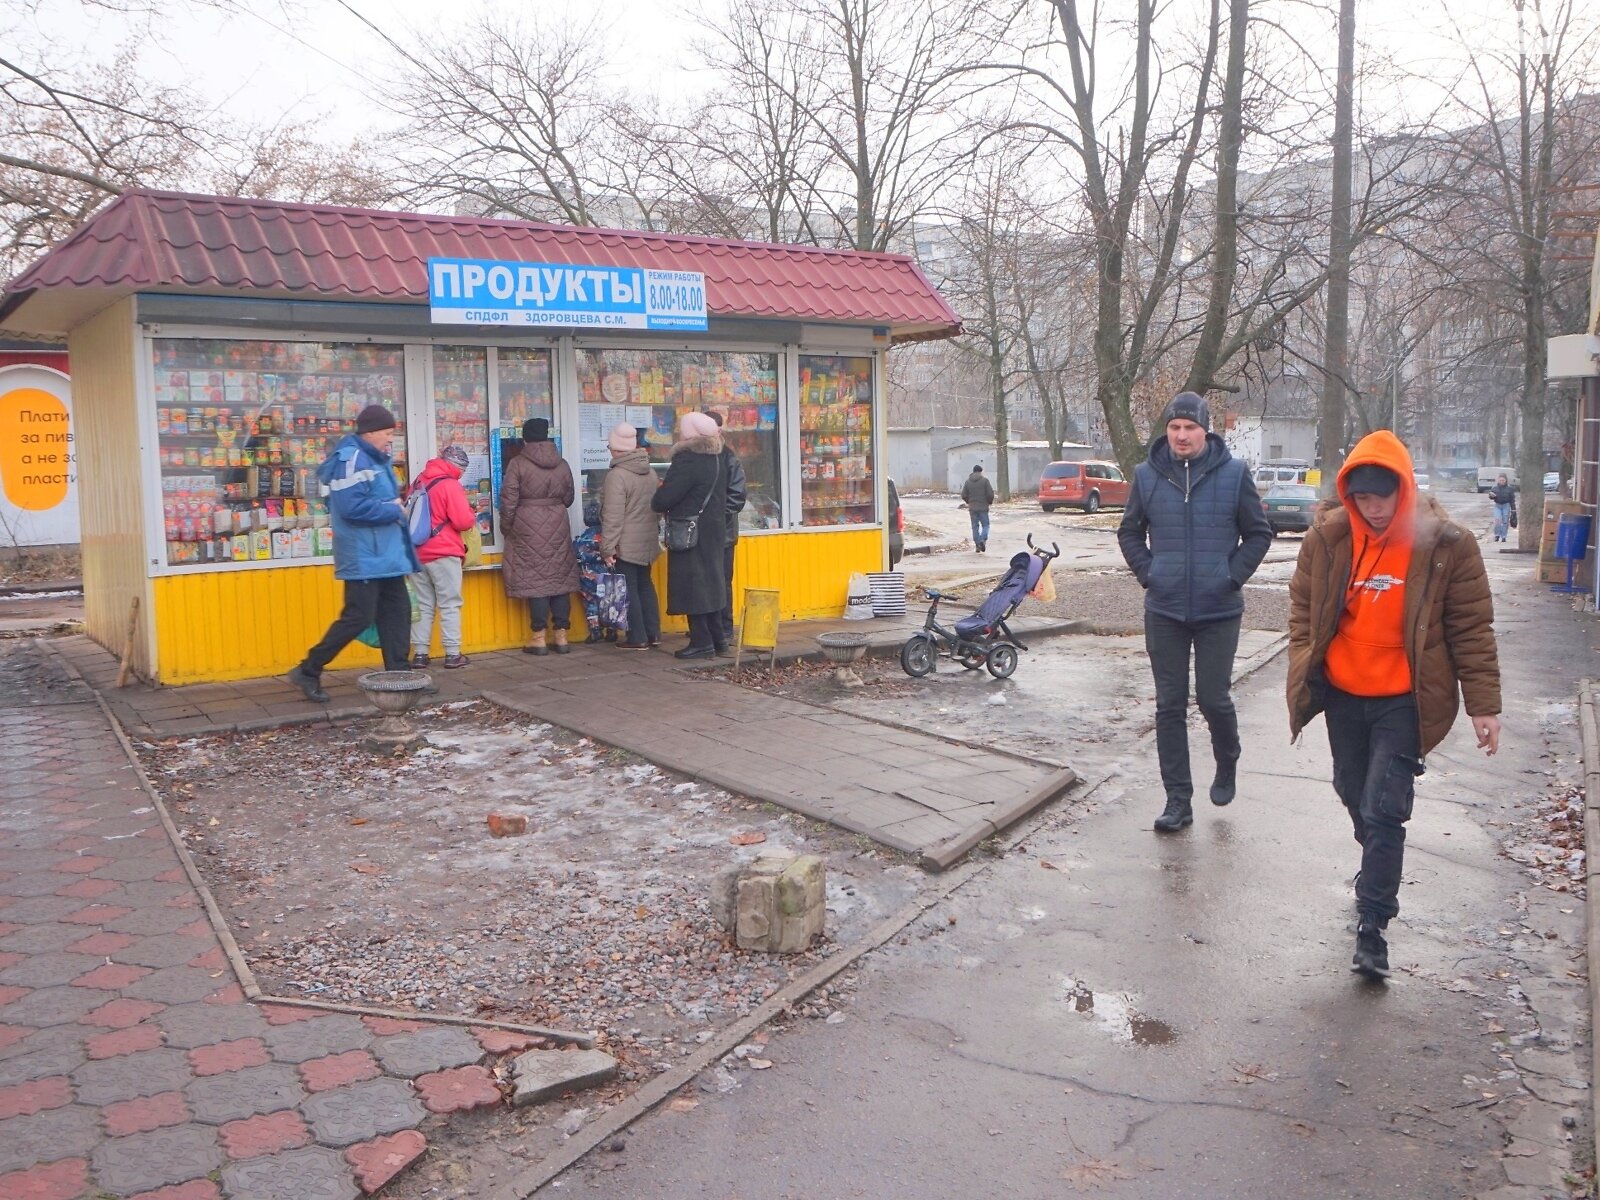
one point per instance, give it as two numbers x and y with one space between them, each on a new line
977 494
1390 624
696 486
1504 498
630 533
737 498
539 565
372 551
1193 533
438 584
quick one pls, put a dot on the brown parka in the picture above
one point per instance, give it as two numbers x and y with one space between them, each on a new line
1449 639
534 497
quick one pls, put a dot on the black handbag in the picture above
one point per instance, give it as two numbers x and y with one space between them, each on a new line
683 533
1513 521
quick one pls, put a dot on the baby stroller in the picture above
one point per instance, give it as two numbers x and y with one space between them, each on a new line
982 639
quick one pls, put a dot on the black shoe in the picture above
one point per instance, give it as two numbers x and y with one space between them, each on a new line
310 685
695 652
1175 816
1372 953
724 650
1224 784
419 662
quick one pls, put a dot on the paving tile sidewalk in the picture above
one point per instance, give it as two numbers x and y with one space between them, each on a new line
131 1063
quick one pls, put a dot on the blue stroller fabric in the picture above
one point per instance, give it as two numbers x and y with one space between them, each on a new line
1014 585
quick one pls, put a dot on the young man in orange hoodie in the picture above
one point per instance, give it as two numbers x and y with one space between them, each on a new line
1390 623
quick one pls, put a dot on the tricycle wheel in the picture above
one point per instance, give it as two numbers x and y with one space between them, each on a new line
917 656
971 657
1002 661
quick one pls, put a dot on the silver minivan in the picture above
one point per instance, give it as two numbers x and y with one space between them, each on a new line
1487 476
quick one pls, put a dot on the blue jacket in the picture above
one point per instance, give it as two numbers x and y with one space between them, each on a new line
370 540
1193 532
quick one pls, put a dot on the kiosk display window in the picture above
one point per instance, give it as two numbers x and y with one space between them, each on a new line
461 418
242 427
837 485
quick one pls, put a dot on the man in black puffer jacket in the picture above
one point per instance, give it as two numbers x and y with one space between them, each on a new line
1193 533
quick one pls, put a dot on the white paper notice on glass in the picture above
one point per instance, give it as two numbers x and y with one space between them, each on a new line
639 416
594 423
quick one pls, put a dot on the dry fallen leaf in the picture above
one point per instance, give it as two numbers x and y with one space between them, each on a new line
359 821
641 912
1092 1174
366 868
683 1104
1048 865
748 839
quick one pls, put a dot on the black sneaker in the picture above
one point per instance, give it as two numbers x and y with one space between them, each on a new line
1372 953
310 685
1224 785
1175 816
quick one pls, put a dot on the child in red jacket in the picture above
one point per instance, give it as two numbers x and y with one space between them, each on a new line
438 584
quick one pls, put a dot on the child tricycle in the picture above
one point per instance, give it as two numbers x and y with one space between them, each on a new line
982 639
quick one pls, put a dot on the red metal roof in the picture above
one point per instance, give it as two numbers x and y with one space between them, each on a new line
172 241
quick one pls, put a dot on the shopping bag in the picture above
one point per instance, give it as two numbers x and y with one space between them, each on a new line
369 637
858 598
612 599
1045 588
1513 521
472 539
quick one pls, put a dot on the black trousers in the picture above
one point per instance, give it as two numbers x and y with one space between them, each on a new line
384 601
1168 644
727 605
644 610
705 629
542 608
1376 760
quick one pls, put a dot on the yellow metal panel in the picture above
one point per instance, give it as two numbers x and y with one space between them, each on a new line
106 439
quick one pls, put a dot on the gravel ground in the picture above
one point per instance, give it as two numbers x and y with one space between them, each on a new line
1114 601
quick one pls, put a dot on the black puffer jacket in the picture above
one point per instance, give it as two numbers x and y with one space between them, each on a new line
1193 532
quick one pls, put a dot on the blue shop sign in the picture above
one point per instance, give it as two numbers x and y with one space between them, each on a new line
485 291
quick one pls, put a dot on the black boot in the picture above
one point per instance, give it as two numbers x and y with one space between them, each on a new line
1224 784
1175 816
1372 953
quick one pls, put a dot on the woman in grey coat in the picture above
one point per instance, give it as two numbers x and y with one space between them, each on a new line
629 531
539 565
696 485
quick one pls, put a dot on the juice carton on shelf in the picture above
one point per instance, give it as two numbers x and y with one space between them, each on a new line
260 544
282 544
303 542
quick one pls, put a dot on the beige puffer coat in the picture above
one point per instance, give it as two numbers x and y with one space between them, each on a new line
629 528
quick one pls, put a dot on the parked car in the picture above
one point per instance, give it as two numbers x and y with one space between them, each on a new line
1271 473
1091 486
1487 476
1290 506
1421 481
897 527
1552 481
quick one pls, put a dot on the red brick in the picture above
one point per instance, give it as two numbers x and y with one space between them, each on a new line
145 1113
195 1189
380 1160
176 875
97 914
10 1035
201 928
124 1041
7 928
210 960
64 1180
229 1056
83 864
76 843
285 1014
89 889
111 976
232 994
8 994
505 1041
325 1074
10 958
256 1136
119 1014
384 1026
103 943
25 1099
457 1089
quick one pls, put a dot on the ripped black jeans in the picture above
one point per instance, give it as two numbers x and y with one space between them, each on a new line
1376 760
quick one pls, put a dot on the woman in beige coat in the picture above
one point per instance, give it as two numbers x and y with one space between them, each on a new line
629 533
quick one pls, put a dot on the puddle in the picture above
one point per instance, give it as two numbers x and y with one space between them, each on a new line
1115 1014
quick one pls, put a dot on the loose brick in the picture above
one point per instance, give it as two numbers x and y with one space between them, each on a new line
336 1070
25 1099
112 976
145 1113
385 1026
103 943
268 1134
124 1041
505 1041
120 1014
64 1180
457 1090
380 1160
287 1014
229 1056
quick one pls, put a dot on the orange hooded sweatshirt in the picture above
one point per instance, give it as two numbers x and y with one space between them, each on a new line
1367 656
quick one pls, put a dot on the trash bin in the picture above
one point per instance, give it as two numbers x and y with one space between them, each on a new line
1572 535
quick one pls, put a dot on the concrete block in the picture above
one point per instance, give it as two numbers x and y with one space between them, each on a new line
776 904
540 1074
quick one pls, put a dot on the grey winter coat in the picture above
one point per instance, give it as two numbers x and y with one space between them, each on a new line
629 527
534 497
1193 532
696 482
977 493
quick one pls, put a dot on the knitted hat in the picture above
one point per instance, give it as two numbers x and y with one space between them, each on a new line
455 456
696 425
622 438
373 418
536 429
977 468
1372 479
1187 406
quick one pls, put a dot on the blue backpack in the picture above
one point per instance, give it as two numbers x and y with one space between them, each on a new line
419 515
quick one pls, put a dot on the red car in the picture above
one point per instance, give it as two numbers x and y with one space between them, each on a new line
1090 486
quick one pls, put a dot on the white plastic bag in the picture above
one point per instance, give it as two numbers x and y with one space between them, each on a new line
858 598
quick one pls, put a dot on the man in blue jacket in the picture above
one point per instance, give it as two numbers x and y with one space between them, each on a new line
1193 533
372 551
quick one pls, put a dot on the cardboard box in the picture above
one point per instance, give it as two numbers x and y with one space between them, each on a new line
1554 506
1552 571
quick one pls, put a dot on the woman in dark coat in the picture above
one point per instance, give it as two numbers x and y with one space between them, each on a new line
696 484
539 563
